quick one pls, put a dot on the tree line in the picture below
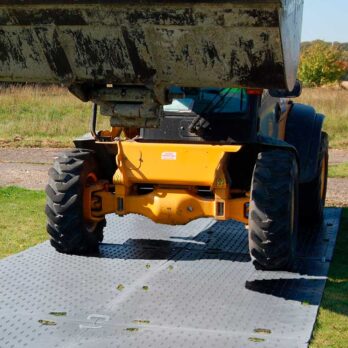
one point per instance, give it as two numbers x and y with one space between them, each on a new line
323 63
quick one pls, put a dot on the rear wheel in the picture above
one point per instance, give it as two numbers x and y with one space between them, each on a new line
273 210
313 194
70 174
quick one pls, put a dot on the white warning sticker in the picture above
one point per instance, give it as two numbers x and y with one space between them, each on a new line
168 156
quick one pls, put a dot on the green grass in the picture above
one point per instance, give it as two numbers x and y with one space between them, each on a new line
42 117
51 116
332 324
22 219
333 103
338 170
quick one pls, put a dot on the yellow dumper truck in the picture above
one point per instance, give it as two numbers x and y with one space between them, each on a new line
201 124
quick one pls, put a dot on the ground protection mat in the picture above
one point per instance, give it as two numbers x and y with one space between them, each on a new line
164 286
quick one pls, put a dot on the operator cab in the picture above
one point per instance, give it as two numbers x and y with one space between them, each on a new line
212 102
206 114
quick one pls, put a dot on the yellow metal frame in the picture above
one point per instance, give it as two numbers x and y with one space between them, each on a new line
175 171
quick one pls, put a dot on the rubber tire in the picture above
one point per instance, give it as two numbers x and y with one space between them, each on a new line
310 200
273 210
70 234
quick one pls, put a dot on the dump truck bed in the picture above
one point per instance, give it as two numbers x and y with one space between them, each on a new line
153 43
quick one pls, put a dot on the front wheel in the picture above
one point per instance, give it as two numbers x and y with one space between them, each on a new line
70 174
273 210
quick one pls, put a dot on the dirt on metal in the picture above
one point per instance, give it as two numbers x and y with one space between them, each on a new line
193 44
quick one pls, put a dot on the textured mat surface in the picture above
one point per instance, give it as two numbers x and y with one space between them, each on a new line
164 286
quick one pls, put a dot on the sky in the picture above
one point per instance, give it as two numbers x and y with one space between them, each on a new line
326 20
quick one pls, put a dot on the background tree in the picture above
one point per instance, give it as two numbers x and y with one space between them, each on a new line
321 63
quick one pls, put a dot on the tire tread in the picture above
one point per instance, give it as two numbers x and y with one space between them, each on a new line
270 239
64 210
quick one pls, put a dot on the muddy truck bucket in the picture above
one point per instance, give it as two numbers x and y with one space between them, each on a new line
146 46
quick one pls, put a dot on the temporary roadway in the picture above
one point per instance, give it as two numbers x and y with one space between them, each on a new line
164 286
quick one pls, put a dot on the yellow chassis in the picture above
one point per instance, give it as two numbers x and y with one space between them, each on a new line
174 172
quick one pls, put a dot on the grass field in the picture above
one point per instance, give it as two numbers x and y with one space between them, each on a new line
22 219
22 224
37 116
51 116
338 170
334 104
